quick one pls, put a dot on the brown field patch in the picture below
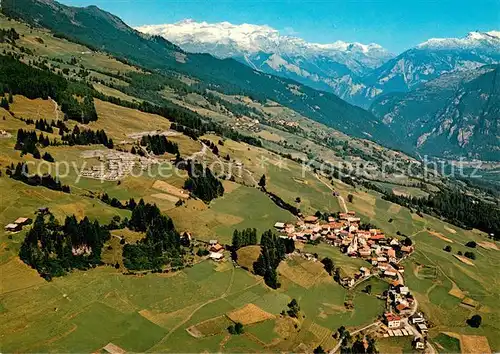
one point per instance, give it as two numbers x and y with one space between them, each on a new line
34 109
210 327
306 274
450 230
247 256
119 121
249 314
464 259
114 92
16 275
230 186
270 136
168 319
488 245
165 196
228 219
455 291
129 235
400 192
470 302
193 331
301 181
170 189
285 326
320 332
364 203
474 344
113 349
440 235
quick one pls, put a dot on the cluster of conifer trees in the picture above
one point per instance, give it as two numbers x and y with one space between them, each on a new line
82 136
130 204
53 249
158 145
244 238
21 173
202 183
159 247
211 145
27 142
42 124
273 250
8 35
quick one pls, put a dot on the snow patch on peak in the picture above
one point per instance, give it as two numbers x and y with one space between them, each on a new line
495 34
473 40
252 39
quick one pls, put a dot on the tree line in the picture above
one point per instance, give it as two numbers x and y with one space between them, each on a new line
245 237
21 173
202 183
457 208
27 141
8 35
53 249
273 250
160 246
159 144
83 136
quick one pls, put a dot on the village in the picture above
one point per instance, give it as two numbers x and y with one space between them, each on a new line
383 256
115 165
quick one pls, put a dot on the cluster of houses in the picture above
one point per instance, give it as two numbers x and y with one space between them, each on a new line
18 224
251 124
400 318
216 251
399 299
287 123
384 253
398 326
115 165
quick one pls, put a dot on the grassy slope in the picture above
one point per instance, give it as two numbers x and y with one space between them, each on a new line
103 299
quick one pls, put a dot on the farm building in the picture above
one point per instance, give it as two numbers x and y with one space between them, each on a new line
215 256
311 219
23 221
418 343
392 320
279 225
13 227
216 248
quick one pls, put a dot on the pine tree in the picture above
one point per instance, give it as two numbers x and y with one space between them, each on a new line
4 103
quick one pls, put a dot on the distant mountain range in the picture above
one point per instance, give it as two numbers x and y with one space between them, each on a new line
101 30
356 72
457 113
438 98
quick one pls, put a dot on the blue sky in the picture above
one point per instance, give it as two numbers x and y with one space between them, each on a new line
396 25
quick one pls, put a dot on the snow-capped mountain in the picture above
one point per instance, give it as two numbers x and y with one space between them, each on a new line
433 58
335 67
474 40
358 73
225 40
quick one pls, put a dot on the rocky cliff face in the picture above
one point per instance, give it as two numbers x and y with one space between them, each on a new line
456 115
